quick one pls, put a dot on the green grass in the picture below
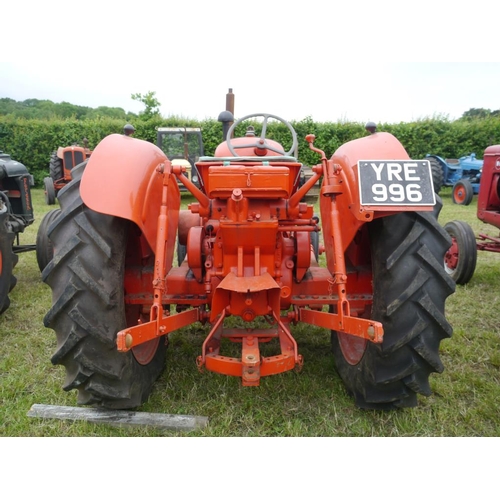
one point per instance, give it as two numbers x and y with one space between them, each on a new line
465 399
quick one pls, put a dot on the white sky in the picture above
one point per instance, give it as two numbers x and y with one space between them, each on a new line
382 61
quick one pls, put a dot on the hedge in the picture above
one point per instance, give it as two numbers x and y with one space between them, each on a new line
32 142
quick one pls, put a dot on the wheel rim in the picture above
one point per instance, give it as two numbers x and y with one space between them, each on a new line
353 348
144 353
459 194
451 257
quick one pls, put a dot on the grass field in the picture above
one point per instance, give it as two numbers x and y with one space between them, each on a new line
465 399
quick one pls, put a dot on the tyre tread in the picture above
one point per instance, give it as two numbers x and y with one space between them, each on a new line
411 287
86 277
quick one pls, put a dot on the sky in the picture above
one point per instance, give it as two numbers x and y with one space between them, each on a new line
383 92
358 61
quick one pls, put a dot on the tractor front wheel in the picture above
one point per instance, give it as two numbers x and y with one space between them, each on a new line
8 260
461 258
462 192
50 191
410 287
44 248
87 278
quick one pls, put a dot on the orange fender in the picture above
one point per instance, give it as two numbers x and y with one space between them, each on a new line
381 145
122 179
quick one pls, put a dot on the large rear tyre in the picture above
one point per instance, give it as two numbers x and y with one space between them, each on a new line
410 287
56 167
8 260
87 278
461 258
437 174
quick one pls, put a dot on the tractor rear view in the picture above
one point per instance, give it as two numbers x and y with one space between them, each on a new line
251 270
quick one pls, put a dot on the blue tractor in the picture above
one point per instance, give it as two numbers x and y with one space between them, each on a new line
463 174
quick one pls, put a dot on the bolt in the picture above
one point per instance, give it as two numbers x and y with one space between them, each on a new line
371 332
237 194
128 340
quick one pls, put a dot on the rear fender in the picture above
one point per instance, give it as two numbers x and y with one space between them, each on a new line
440 160
381 145
452 171
122 179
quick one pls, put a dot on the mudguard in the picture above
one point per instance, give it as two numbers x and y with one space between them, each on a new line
10 167
122 179
383 146
441 161
379 146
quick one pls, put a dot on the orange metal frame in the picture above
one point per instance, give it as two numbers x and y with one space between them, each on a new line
248 249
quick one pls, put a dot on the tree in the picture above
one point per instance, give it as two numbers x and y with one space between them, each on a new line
118 113
479 113
150 101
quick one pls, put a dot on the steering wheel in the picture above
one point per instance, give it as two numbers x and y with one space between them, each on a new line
261 143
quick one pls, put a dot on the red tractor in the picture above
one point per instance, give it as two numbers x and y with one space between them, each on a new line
251 270
460 260
61 164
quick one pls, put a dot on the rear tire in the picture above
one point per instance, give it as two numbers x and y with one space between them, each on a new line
87 277
460 260
55 168
8 260
410 287
437 174
462 192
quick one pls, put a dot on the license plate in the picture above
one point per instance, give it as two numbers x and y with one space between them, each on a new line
395 182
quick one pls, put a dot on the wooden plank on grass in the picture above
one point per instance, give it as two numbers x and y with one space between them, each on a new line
120 418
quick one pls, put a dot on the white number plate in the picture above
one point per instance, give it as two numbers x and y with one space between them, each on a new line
396 182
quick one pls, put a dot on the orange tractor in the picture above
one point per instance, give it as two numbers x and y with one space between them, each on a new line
251 269
61 164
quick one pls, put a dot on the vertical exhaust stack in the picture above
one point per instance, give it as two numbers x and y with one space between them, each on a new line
230 102
227 116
